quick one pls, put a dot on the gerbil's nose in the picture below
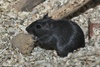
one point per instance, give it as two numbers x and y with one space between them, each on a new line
28 30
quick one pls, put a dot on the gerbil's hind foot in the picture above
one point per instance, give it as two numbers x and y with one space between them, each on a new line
61 54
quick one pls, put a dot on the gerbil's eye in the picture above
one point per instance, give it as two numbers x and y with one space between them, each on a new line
38 26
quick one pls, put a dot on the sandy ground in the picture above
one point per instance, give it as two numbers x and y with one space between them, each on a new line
13 23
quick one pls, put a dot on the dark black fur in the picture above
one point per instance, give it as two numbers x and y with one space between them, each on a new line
64 36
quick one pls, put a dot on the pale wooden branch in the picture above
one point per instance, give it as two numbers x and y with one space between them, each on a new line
67 9
26 5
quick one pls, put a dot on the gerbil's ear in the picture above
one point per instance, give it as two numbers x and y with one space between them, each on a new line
47 26
46 16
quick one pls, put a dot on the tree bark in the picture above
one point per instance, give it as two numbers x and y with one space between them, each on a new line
67 9
26 5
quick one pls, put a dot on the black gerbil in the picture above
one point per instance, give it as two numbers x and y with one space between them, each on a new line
64 36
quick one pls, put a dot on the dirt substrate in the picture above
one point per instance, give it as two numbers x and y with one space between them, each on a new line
13 23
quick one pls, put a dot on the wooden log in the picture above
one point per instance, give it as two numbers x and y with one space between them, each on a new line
67 9
91 26
26 5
